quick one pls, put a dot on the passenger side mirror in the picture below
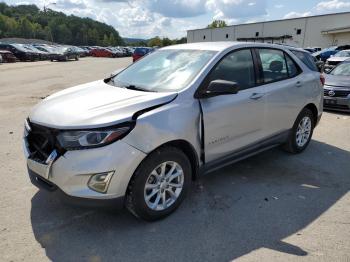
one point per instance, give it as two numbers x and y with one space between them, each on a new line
221 87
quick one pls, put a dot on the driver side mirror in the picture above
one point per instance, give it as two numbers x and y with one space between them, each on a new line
220 87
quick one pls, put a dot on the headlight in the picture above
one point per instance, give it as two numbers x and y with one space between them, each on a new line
73 140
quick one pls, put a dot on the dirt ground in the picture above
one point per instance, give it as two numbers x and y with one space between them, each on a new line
270 207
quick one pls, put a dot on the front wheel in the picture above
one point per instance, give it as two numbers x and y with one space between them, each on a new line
159 184
301 133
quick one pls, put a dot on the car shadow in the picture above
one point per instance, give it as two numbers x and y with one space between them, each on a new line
253 204
336 112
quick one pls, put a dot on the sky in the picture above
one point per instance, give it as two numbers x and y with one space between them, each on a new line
149 18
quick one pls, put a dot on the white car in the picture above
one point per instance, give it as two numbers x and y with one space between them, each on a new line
336 59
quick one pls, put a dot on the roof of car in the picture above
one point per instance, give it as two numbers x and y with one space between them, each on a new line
220 46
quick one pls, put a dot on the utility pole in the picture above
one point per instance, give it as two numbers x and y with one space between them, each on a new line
45 7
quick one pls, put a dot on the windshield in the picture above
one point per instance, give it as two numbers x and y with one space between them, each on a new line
20 47
342 54
164 70
341 70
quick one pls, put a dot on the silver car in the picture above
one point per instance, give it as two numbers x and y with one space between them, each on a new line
140 137
337 88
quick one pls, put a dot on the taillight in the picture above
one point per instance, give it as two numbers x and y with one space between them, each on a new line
322 79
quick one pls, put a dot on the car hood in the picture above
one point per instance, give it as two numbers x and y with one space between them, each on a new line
93 105
337 59
337 81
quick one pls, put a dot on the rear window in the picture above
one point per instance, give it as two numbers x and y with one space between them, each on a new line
141 51
307 59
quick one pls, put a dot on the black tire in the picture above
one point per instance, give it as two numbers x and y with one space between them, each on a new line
291 144
135 199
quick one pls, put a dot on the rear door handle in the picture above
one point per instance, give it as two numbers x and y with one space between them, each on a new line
256 96
298 84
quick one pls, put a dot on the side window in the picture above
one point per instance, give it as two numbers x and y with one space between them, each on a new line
273 65
238 67
307 59
293 69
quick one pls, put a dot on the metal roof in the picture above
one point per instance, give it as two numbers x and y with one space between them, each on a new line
270 21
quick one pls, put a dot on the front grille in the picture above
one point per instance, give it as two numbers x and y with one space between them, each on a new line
41 141
337 93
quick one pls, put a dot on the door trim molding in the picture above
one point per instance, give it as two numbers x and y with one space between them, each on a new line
245 152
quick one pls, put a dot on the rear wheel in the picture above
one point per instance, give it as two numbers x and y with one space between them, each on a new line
159 184
300 136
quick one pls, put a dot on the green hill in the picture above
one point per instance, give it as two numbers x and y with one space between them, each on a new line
28 21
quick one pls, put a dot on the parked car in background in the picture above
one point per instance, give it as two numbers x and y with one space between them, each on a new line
7 56
50 50
336 59
139 138
86 50
20 52
337 87
139 52
42 54
326 53
102 52
128 51
82 52
117 52
65 54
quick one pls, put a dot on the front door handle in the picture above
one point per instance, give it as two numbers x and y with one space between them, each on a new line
256 96
298 84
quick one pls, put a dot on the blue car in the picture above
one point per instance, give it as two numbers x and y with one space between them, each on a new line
328 52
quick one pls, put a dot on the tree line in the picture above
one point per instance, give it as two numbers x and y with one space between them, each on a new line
28 21
160 42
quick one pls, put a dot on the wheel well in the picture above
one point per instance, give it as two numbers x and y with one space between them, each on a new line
314 111
189 151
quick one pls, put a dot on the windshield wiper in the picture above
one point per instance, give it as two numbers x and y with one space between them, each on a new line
137 88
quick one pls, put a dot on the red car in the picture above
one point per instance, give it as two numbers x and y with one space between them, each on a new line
7 56
101 52
140 52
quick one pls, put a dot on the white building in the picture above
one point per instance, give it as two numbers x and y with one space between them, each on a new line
313 31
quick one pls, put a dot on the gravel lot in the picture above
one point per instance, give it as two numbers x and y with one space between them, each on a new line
271 207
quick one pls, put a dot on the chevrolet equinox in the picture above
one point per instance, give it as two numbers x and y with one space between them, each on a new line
139 137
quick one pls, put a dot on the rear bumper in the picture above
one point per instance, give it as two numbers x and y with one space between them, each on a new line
42 183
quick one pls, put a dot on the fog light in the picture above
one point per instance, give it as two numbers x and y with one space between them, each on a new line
100 182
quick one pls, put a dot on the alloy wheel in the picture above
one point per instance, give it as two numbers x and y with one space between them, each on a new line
164 185
303 131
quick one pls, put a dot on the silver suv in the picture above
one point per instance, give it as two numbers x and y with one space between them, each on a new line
139 137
